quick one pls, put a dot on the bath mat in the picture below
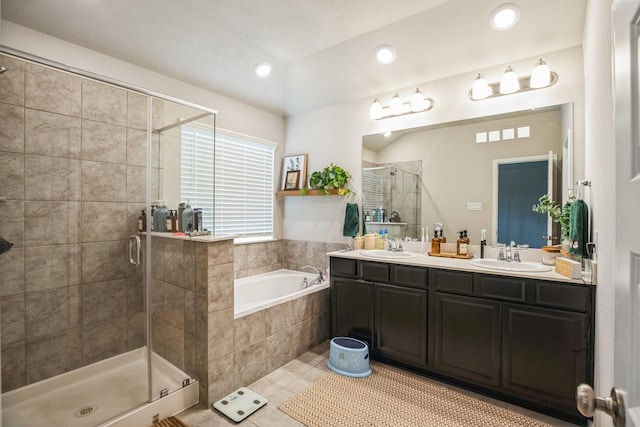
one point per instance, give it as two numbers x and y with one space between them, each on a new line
240 404
170 422
391 397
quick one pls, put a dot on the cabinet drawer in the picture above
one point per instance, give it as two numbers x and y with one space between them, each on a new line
415 277
344 267
453 281
507 288
563 295
374 271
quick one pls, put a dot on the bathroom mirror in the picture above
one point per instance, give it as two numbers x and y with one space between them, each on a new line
455 163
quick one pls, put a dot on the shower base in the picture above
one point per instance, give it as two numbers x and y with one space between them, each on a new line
102 394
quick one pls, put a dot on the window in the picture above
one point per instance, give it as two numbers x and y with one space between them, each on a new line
230 176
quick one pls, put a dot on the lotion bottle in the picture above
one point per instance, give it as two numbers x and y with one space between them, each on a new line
435 243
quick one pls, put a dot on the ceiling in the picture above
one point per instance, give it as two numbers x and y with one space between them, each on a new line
321 51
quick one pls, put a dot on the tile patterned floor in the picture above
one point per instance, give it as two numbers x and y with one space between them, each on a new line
285 382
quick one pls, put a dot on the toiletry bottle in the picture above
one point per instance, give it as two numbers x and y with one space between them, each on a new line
187 218
160 217
442 238
435 243
142 222
462 245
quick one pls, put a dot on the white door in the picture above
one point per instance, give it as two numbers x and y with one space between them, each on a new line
626 27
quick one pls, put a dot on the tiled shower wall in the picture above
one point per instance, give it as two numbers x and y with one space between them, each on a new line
72 164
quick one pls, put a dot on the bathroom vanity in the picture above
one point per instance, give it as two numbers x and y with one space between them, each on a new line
526 338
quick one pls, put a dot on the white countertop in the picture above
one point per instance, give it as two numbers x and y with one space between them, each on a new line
211 238
422 260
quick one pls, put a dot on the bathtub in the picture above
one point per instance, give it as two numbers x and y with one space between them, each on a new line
255 293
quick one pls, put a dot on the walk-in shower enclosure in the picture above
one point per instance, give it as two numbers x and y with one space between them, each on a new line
81 158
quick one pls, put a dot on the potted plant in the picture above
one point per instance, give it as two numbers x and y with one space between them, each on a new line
332 177
557 213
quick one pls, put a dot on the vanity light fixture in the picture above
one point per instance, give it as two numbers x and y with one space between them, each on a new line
540 77
385 54
397 107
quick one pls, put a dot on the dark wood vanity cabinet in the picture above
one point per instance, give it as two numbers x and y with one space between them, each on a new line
527 341
400 319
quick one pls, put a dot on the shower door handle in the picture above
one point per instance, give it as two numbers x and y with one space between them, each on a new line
134 250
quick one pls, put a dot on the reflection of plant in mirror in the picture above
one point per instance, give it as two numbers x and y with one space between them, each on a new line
330 178
557 214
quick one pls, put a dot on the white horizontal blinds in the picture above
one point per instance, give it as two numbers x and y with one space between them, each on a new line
244 186
197 171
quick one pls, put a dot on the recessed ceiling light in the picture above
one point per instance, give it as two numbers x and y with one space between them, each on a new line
504 16
385 54
263 69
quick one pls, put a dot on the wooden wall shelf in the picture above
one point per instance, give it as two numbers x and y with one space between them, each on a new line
287 193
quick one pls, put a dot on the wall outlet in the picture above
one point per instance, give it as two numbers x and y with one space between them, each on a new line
474 206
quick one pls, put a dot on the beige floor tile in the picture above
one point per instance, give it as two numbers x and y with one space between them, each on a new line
289 372
305 380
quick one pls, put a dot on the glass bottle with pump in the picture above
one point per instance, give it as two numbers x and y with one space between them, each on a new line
142 222
435 243
462 246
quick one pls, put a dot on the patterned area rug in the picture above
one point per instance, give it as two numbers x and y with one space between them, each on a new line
392 397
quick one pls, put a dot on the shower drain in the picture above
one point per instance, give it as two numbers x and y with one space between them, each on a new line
87 410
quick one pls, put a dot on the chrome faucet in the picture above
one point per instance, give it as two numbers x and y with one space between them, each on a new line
511 252
319 279
394 245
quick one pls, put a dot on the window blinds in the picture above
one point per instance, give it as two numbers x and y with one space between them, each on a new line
237 181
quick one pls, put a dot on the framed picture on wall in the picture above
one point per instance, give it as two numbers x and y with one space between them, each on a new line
292 181
294 163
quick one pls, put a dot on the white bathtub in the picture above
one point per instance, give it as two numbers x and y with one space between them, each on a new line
255 293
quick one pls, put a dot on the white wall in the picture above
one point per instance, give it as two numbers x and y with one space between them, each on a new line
600 167
334 134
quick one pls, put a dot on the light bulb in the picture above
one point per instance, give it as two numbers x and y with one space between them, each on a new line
417 101
481 89
376 109
385 54
396 105
504 16
540 76
509 82
263 69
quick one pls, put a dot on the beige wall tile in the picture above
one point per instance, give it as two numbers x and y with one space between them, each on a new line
136 147
12 129
14 367
52 178
136 110
12 222
104 142
52 267
50 134
12 175
51 223
189 263
103 339
279 318
102 301
137 184
302 337
104 261
174 262
279 349
135 330
220 333
174 306
174 346
190 356
12 88
103 182
190 312
13 272
220 253
220 378
220 287
250 364
102 221
104 103
249 330
135 294
12 313
53 91
52 311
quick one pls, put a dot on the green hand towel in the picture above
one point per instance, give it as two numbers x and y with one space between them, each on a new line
351 220
579 228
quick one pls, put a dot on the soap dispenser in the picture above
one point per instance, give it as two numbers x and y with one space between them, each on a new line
435 243
462 245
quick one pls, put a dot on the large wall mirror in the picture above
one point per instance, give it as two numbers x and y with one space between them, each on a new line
451 173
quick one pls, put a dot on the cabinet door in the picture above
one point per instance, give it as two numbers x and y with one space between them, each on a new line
467 338
352 309
544 353
401 324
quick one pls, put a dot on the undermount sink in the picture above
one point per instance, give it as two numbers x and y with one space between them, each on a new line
494 264
378 253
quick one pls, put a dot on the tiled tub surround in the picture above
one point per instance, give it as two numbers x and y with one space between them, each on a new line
72 162
229 352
